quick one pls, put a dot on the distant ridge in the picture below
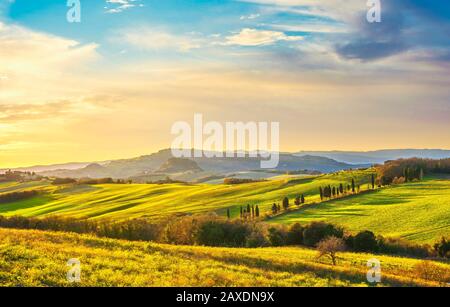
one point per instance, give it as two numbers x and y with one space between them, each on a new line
162 161
322 161
379 156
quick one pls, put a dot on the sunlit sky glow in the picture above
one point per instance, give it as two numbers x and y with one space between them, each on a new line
113 85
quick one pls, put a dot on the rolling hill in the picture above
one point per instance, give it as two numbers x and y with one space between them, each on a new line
34 258
148 164
379 156
418 211
153 201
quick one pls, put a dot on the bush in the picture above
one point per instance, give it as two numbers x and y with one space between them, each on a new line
241 181
442 248
295 235
365 241
95 181
278 236
181 231
396 246
61 181
318 231
16 196
258 237
223 233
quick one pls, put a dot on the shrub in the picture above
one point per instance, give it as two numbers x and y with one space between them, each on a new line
61 181
241 181
277 236
398 180
258 237
211 233
442 248
317 231
365 241
295 234
95 181
348 239
396 246
329 247
180 231
16 196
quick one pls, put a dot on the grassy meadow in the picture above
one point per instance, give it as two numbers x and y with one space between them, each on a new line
34 258
418 211
126 201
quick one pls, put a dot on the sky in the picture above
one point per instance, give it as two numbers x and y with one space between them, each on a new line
113 85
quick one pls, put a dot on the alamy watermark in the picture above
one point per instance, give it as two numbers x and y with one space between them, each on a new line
233 139
74 272
374 272
74 12
374 12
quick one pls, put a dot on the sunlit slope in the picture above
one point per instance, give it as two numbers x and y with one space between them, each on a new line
115 201
33 258
416 211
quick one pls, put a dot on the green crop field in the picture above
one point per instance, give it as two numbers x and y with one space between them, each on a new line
417 211
118 202
34 258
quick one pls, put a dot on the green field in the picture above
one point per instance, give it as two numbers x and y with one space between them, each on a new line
417 211
33 258
119 202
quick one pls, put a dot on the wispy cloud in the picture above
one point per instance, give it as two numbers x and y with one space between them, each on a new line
121 5
254 37
151 39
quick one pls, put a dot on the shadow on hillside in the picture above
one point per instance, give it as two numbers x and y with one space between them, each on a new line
319 269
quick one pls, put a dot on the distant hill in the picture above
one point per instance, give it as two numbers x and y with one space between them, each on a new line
93 170
177 165
52 167
378 156
161 162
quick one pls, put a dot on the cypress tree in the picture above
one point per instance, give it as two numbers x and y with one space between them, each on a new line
285 203
257 211
373 181
274 209
353 186
303 199
241 213
228 213
297 201
321 193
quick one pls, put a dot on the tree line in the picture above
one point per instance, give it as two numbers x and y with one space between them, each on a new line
212 230
329 192
407 170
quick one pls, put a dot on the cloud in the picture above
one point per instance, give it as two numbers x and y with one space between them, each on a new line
407 26
147 38
254 37
37 69
19 112
121 5
311 27
249 17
